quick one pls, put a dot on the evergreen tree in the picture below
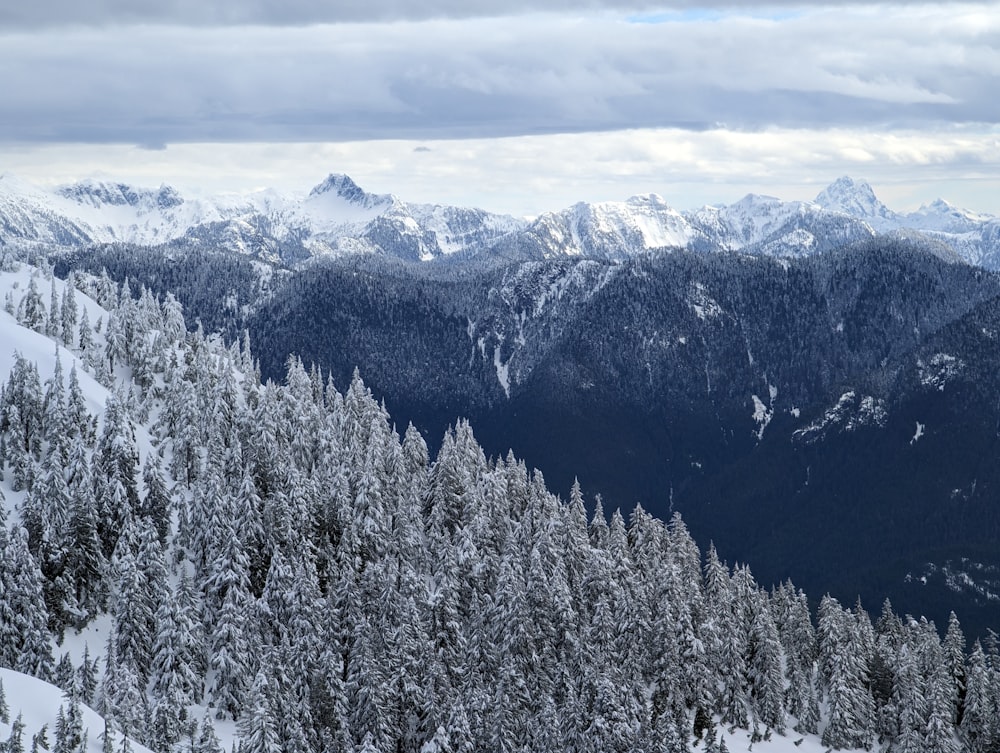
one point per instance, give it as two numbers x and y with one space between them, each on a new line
53 319
257 725
26 635
69 312
156 502
15 742
208 741
851 708
31 310
86 679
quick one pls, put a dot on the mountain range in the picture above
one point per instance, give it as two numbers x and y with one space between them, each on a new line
810 383
338 218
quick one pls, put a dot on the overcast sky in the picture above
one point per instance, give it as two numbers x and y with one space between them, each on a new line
514 106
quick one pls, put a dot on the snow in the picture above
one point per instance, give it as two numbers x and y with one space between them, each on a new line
503 375
939 370
762 414
323 220
918 433
38 348
791 742
704 306
849 414
38 702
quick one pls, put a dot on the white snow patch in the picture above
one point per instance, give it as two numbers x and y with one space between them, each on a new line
918 433
941 369
762 414
38 704
849 414
503 374
703 304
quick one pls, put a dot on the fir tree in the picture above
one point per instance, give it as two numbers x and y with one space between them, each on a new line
257 724
69 312
4 708
15 742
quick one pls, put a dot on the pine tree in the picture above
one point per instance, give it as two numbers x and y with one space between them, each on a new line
69 311
78 421
86 679
132 613
31 310
27 632
939 732
116 463
230 652
257 725
765 670
69 733
53 320
86 566
64 677
977 718
851 716
86 344
4 708
15 743
207 741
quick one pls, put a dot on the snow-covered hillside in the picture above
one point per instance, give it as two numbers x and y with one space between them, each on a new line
34 705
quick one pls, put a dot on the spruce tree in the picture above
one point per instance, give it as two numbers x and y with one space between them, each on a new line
15 742
4 708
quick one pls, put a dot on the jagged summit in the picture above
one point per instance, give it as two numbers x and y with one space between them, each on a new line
341 185
855 198
97 193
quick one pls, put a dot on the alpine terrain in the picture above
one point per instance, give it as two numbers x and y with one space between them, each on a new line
339 472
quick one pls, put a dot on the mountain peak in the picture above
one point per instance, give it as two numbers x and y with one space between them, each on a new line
853 197
97 193
340 185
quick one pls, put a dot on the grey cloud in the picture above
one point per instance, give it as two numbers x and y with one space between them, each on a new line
498 77
66 13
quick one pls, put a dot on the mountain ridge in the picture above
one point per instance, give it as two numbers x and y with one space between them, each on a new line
337 217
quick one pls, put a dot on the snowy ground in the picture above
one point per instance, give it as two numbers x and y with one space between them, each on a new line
38 704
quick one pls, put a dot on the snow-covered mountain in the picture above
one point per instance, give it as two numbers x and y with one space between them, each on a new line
335 217
338 217
845 212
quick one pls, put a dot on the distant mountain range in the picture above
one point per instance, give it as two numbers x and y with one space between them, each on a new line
338 218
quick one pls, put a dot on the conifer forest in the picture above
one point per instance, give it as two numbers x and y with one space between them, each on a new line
283 568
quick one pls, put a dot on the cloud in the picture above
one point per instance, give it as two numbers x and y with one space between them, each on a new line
527 175
899 67
72 13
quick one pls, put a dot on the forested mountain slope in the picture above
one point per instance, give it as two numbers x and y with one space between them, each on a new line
830 404
282 559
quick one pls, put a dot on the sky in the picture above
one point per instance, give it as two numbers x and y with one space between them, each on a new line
513 106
